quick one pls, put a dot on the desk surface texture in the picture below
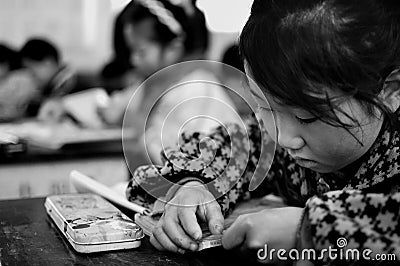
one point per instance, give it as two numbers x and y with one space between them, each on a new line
28 237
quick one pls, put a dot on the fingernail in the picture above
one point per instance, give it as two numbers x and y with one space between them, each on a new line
193 247
181 251
197 236
218 228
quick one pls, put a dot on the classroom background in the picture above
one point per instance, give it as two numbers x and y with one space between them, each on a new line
82 30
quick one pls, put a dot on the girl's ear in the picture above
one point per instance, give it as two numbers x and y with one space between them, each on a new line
174 51
390 93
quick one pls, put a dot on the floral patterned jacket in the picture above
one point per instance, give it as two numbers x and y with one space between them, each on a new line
360 204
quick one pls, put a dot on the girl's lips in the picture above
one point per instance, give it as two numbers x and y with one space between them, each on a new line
306 163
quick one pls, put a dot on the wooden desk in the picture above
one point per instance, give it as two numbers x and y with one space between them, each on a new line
28 237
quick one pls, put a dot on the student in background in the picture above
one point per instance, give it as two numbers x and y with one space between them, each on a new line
119 72
17 86
157 38
54 78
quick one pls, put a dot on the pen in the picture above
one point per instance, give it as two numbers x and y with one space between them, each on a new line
83 184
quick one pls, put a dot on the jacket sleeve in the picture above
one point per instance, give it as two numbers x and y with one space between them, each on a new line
223 160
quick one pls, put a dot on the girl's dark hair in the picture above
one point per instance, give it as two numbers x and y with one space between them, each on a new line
232 57
296 49
194 25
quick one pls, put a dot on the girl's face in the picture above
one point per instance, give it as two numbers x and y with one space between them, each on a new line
42 71
313 143
146 54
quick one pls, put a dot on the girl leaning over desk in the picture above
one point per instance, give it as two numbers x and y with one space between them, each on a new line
329 70
158 34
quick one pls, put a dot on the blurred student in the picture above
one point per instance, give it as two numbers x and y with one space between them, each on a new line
54 78
17 86
118 73
159 34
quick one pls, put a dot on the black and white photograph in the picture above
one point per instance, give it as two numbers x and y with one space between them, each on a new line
200 132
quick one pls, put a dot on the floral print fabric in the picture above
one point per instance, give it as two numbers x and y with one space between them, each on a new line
362 206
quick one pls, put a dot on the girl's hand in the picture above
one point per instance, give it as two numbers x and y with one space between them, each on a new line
274 227
178 229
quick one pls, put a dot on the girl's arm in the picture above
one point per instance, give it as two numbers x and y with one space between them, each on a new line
227 172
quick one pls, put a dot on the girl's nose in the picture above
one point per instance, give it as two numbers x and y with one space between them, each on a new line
288 136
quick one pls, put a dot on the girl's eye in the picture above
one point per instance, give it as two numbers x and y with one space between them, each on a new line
306 120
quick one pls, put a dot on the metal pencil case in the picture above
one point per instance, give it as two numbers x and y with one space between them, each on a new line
92 224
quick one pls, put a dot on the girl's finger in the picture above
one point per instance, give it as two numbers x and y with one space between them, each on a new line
187 217
176 233
215 218
164 241
155 243
235 235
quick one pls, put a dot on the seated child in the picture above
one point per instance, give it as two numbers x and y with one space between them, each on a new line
160 33
54 79
17 86
327 85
